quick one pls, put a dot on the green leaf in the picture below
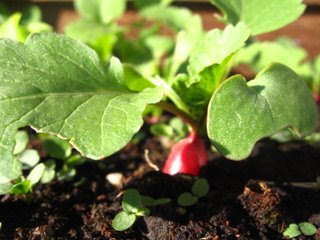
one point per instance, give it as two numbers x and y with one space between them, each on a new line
150 202
308 229
30 15
123 221
140 4
5 188
88 9
158 45
56 147
216 46
200 187
36 173
133 51
179 127
101 10
89 31
66 174
187 199
11 28
196 92
176 17
22 187
131 201
104 46
29 158
36 27
292 231
161 201
161 129
74 160
143 212
240 113
49 171
70 95
111 10
260 54
260 16
147 201
186 41
134 80
22 140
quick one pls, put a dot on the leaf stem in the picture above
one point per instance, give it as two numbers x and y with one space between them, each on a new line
174 110
174 97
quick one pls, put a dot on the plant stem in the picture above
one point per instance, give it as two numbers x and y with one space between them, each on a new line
169 92
174 110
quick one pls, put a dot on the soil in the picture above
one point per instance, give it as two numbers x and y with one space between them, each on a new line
252 199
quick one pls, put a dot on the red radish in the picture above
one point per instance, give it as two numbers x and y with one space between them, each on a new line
316 98
187 156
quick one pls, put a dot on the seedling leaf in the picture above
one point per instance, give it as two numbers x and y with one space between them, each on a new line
216 46
241 113
140 4
292 231
100 10
131 201
75 160
260 16
175 17
284 50
161 201
49 171
161 129
123 220
36 173
187 199
56 147
66 174
22 187
22 140
147 201
200 187
29 158
143 212
11 28
308 229
70 94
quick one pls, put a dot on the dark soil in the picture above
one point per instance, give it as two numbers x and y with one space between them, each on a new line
251 199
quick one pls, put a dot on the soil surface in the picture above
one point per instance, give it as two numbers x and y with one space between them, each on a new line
252 199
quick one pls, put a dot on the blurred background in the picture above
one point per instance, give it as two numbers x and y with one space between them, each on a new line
305 31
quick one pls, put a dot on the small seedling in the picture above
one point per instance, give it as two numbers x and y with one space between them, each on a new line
134 205
200 188
303 228
24 186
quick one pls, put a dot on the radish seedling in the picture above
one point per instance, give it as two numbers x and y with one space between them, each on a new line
134 205
200 188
